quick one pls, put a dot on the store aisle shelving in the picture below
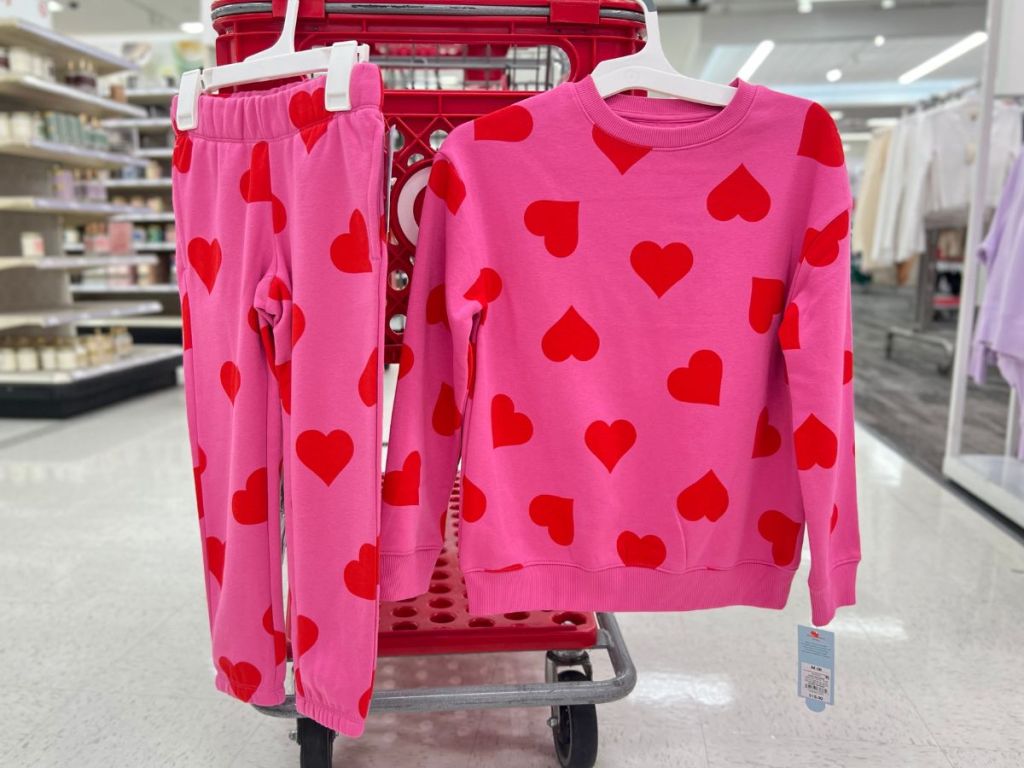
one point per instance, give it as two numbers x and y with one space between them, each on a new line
100 546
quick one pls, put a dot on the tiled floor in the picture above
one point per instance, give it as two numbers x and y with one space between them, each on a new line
104 652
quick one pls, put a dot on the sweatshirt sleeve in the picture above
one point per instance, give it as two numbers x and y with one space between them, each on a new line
447 295
816 338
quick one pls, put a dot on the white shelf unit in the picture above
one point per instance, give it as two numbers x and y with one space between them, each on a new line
71 210
153 322
141 354
995 479
67 154
31 92
139 123
51 317
156 153
74 263
167 217
110 289
139 184
63 50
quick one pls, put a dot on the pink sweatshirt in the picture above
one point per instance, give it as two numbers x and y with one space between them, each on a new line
631 319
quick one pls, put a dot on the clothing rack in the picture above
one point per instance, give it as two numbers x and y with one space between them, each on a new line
996 479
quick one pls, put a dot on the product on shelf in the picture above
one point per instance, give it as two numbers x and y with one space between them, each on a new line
58 127
24 354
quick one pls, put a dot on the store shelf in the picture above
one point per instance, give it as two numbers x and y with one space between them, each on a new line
156 153
155 247
75 263
95 288
151 321
167 217
142 184
31 92
64 50
75 313
67 154
139 356
994 479
139 123
154 96
71 209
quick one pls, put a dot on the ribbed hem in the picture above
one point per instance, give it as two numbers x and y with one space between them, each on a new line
406 575
682 123
264 697
337 721
840 590
268 114
566 587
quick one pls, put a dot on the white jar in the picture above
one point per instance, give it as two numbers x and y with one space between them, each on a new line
32 244
48 356
21 126
8 357
28 358
67 360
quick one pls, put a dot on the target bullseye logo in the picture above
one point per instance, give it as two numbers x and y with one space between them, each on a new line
410 203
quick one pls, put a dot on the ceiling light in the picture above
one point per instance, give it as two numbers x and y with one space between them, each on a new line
192 27
757 57
879 41
943 58
804 6
834 75
54 7
888 5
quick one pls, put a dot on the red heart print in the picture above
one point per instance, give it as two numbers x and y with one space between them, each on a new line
298 324
557 221
847 366
278 290
640 551
306 634
181 157
364 700
361 574
279 638
474 502
661 268
186 324
326 455
350 251
405 360
486 288
243 677
446 183
508 426
739 194
821 248
309 114
368 380
767 299
255 185
622 154
298 683
249 506
215 558
815 444
835 518
610 442
512 123
205 258
700 381
789 328
402 486
283 374
820 139
231 380
571 336
767 439
782 533
505 569
555 514
705 498
197 472
443 522
253 318
446 419
437 311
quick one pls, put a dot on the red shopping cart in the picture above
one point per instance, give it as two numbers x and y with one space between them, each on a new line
443 64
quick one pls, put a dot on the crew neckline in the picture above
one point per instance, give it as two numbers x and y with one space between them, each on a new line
700 130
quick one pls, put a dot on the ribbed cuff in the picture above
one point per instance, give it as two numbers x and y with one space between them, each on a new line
406 575
337 721
839 590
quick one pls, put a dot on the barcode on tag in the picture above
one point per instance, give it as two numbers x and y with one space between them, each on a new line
815 682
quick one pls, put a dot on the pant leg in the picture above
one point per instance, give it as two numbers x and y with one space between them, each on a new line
224 251
327 300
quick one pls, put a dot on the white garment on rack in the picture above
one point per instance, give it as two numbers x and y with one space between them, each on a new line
883 247
865 213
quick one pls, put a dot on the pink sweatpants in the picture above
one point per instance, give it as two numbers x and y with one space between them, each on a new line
280 266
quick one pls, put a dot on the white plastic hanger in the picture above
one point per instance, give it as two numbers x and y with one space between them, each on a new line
277 62
649 70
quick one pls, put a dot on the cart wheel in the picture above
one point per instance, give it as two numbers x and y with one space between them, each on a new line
575 733
316 744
